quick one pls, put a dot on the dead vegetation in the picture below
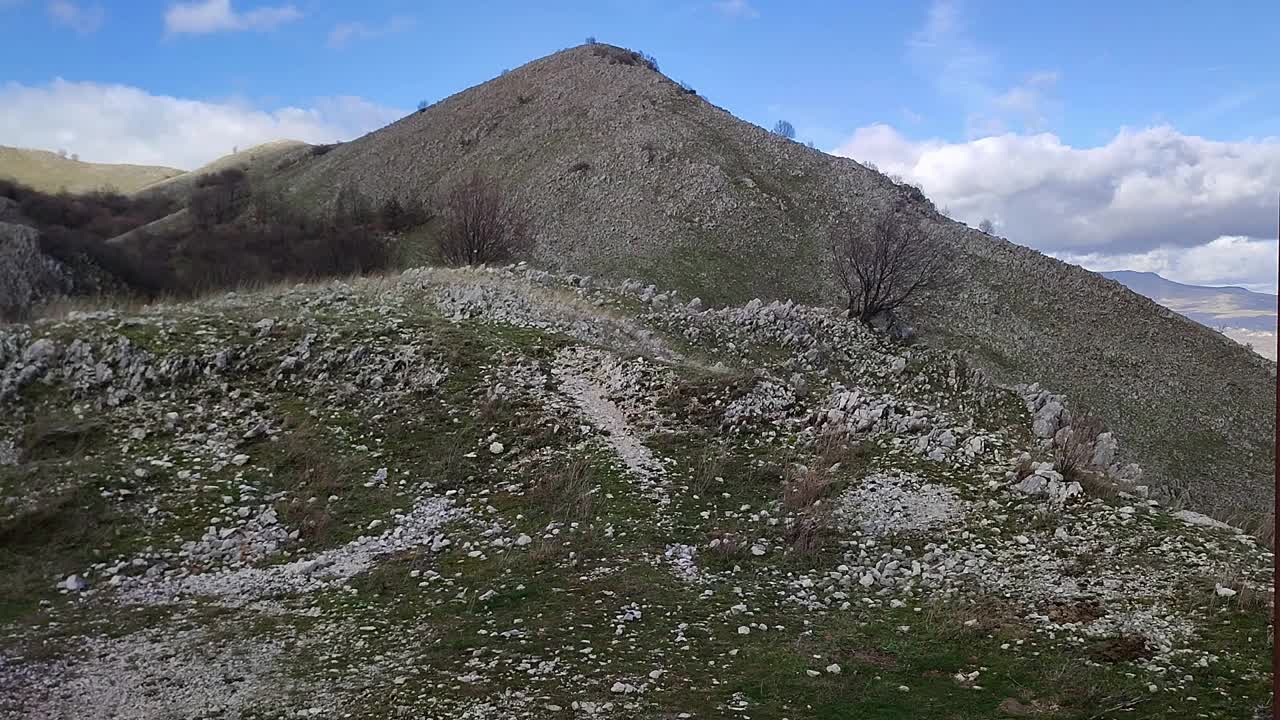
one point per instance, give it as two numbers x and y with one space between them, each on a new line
300 464
482 225
59 438
623 56
810 532
565 490
884 261
1074 450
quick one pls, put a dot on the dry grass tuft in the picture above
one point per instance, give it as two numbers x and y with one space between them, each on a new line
730 547
809 533
808 487
1074 455
708 470
565 490
298 464
1248 596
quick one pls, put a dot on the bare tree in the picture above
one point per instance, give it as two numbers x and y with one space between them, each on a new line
481 224
785 129
884 260
987 226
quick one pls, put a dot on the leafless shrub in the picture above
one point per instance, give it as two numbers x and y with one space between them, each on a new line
219 197
883 261
481 224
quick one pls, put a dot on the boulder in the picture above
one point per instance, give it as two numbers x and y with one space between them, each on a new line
1104 450
27 276
1047 419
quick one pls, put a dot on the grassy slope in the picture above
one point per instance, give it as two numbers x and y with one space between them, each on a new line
48 172
411 627
257 161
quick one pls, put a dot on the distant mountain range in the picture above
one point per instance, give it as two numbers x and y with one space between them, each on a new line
1244 315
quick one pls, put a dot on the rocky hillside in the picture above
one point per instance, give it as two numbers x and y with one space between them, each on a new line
50 172
512 494
1243 315
628 174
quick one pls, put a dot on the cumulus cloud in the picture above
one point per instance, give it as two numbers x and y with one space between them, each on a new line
123 124
1142 190
1246 262
84 19
736 9
1262 342
344 34
211 16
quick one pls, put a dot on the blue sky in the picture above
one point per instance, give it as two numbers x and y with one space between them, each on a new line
830 67
1116 134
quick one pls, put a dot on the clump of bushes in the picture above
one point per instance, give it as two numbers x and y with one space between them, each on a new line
99 215
219 197
236 237
622 56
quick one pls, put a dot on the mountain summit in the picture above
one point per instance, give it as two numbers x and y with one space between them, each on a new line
630 174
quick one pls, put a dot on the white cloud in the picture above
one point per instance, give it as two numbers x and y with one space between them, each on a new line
1153 199
1226 260
210 16
344 34
964 72
123 124
1262 341
84 19
736 9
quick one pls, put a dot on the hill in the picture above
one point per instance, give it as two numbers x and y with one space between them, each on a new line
1243 315
513 494
50 172
629 175
257 161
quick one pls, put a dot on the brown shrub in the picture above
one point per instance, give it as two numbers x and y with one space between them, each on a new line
885 260
481 224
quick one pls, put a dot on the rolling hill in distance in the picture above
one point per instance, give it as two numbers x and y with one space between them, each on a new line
51 172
